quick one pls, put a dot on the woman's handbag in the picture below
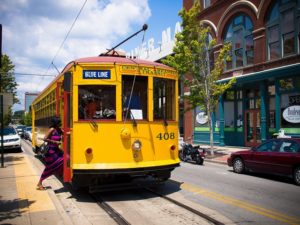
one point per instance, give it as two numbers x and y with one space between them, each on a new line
44 148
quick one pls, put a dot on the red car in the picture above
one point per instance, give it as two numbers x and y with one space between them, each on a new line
276 156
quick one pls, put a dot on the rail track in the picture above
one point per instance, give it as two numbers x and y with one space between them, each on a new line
122 218
119 218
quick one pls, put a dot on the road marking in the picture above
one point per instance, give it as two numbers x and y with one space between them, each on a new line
242 204
222 173
26 180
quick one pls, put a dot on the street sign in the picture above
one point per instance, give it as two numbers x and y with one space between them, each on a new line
7 101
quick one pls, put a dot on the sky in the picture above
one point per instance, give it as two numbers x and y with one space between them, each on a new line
38 38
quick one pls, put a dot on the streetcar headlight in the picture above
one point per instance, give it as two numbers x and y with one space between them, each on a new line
137 145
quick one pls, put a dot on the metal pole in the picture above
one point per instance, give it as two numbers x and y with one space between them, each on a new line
2 147
1 106
145 27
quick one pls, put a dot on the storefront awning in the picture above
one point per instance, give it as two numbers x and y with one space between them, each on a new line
278 72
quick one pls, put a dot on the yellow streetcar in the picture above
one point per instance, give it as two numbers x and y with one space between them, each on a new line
119 116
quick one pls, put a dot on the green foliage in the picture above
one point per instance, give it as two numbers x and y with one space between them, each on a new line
191 59
27 119
8 83
7 118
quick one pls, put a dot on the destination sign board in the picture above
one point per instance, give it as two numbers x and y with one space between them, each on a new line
148 71
96 74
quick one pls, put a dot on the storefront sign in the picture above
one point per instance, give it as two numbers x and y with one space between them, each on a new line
153 50
201 118
292 114
96 74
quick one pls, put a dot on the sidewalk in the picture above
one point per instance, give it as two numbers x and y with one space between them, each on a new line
221 153
20 202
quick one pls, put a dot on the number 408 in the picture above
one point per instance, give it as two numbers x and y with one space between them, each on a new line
166 136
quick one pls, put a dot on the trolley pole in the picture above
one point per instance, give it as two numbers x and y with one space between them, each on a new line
144 28
1 98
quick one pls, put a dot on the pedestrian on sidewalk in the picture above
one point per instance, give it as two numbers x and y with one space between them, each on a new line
54 156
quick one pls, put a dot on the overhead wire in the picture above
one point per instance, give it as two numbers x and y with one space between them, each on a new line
28 74
60 47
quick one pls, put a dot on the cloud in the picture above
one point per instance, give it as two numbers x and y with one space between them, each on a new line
33 31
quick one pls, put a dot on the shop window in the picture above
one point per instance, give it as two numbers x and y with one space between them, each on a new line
163 99
96 102
134 97
229 95
239 122
229 114
206 3
289 84
239 34
282 30
210 51
288 100
298 22
253 99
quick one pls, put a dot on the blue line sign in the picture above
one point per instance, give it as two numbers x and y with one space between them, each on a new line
96 74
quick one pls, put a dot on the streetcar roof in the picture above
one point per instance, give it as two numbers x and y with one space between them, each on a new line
117 60
104 60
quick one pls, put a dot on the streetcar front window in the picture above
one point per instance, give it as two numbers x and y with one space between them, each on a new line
134 99
163 98
96 102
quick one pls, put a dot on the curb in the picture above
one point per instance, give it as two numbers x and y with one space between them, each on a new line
215 161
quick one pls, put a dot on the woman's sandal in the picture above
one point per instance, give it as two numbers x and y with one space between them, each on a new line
41 188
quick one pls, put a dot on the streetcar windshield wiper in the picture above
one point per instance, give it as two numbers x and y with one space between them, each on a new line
133 119
94 124
165 119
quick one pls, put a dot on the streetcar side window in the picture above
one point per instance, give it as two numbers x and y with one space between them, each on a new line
134 99
96 102
163 99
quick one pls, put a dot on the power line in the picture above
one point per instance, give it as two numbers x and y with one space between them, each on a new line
28 74
66 36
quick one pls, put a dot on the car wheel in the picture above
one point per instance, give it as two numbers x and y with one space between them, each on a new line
297 175
238 165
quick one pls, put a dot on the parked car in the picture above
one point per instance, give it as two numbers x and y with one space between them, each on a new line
20 130
11 139
28 133
276 156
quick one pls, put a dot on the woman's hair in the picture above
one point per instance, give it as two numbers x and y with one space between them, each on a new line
55 122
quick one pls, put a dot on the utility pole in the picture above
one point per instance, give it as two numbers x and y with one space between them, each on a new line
1 103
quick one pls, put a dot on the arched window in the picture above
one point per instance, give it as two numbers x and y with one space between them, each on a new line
206 3
239 33
211 58
283 29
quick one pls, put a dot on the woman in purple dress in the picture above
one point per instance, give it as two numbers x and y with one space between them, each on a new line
54 156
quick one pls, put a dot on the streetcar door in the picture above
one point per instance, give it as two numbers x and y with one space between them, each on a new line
67 124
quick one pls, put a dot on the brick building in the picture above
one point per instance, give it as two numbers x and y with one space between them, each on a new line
265 59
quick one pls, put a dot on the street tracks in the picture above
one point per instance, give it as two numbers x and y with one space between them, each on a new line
149 206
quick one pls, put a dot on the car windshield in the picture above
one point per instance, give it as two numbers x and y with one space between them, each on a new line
9 131
20 127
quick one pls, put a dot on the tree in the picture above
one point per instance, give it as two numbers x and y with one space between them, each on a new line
27 119
8 83
192 57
